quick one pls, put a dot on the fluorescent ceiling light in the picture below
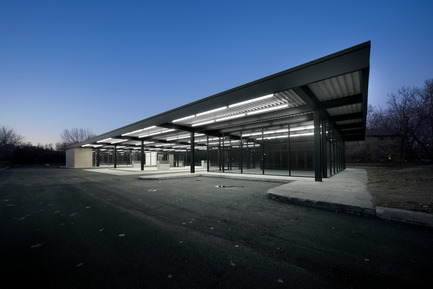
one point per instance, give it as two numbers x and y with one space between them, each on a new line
230 117
251 100
211 111
183 118
302 128
203 123
92 145
164 145
302 134
139 130
104 140
251 134
178 137
119 141
267 109
276 131
280 136
156 133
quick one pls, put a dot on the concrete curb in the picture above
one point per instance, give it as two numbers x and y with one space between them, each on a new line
405 216
391 214
322 205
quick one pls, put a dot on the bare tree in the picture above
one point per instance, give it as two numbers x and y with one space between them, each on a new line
75 135
410 113
425 131
9 140
373 117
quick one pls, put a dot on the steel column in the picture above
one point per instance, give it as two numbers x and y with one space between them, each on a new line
317 148
115 156
192 170
241 156
142 155
208 154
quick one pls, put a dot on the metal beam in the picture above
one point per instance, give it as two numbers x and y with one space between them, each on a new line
349 116
348 100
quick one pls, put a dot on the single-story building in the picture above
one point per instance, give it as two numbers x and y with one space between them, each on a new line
294 123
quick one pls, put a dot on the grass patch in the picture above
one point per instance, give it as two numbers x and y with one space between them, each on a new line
408 188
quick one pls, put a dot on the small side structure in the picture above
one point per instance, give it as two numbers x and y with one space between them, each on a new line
294 123
79 158
380 146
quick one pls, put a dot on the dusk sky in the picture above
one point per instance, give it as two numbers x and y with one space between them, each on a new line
101 65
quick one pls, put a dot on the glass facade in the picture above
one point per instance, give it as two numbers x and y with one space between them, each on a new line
288 150
280 150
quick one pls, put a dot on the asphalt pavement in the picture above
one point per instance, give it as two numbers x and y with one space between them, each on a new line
71 228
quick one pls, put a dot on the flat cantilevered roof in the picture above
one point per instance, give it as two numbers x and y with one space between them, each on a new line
336 85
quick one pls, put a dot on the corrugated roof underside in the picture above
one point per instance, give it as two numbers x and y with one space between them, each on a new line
337 87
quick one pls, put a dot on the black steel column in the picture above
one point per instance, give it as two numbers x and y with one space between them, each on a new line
142 155
98 157
324 151
192 170
344 155
223 155
288 150
208 158
317 148
263 153
115 156
219 153
241 164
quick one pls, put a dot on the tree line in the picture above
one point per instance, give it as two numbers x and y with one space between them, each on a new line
15 150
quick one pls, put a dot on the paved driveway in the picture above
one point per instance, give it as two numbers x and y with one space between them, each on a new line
63 228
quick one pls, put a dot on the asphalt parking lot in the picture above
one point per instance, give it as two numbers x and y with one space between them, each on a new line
69 228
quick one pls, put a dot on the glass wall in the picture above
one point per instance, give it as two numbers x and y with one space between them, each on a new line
280 150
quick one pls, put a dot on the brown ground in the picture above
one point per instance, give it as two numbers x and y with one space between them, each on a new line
409 188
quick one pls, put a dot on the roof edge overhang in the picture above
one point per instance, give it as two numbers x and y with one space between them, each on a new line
346 61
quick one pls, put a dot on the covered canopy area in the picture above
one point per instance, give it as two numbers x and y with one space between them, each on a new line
292 122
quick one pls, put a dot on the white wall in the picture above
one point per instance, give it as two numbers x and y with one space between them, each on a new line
79 158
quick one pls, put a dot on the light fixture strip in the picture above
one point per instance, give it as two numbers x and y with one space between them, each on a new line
302 128
183 118
211 111
178 137
156 133
251 100
139 130
231 117
118 141
302 134
203 123
267 109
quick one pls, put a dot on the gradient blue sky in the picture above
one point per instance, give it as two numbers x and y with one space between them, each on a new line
104 64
